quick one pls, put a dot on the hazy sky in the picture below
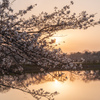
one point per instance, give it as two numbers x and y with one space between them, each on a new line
76 40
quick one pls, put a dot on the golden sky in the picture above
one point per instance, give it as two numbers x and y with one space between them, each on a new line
76 40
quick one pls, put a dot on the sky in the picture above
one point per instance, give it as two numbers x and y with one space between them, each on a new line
75 40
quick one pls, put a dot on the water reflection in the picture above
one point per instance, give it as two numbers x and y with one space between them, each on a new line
86 76
22 82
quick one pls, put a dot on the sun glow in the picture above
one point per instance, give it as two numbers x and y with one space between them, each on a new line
57 40
57 84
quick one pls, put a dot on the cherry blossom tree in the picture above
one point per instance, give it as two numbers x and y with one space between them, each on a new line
28 40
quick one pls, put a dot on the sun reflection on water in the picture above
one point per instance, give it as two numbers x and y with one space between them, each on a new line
57 84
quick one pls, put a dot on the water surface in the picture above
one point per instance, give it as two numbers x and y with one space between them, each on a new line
71 85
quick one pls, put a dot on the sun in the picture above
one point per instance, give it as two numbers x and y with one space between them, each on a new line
57 40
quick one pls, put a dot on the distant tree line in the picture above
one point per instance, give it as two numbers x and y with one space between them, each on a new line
90 57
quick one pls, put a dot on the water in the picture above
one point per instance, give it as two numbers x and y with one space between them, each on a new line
70 85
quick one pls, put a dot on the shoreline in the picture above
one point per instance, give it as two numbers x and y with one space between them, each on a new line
36 69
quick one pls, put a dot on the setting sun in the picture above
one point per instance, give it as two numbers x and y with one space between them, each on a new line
58 40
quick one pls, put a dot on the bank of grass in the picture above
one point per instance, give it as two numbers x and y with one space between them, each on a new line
36 69
91 66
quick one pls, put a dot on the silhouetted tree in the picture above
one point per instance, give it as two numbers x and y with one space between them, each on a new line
90 57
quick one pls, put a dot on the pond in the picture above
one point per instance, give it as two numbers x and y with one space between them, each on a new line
60 85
